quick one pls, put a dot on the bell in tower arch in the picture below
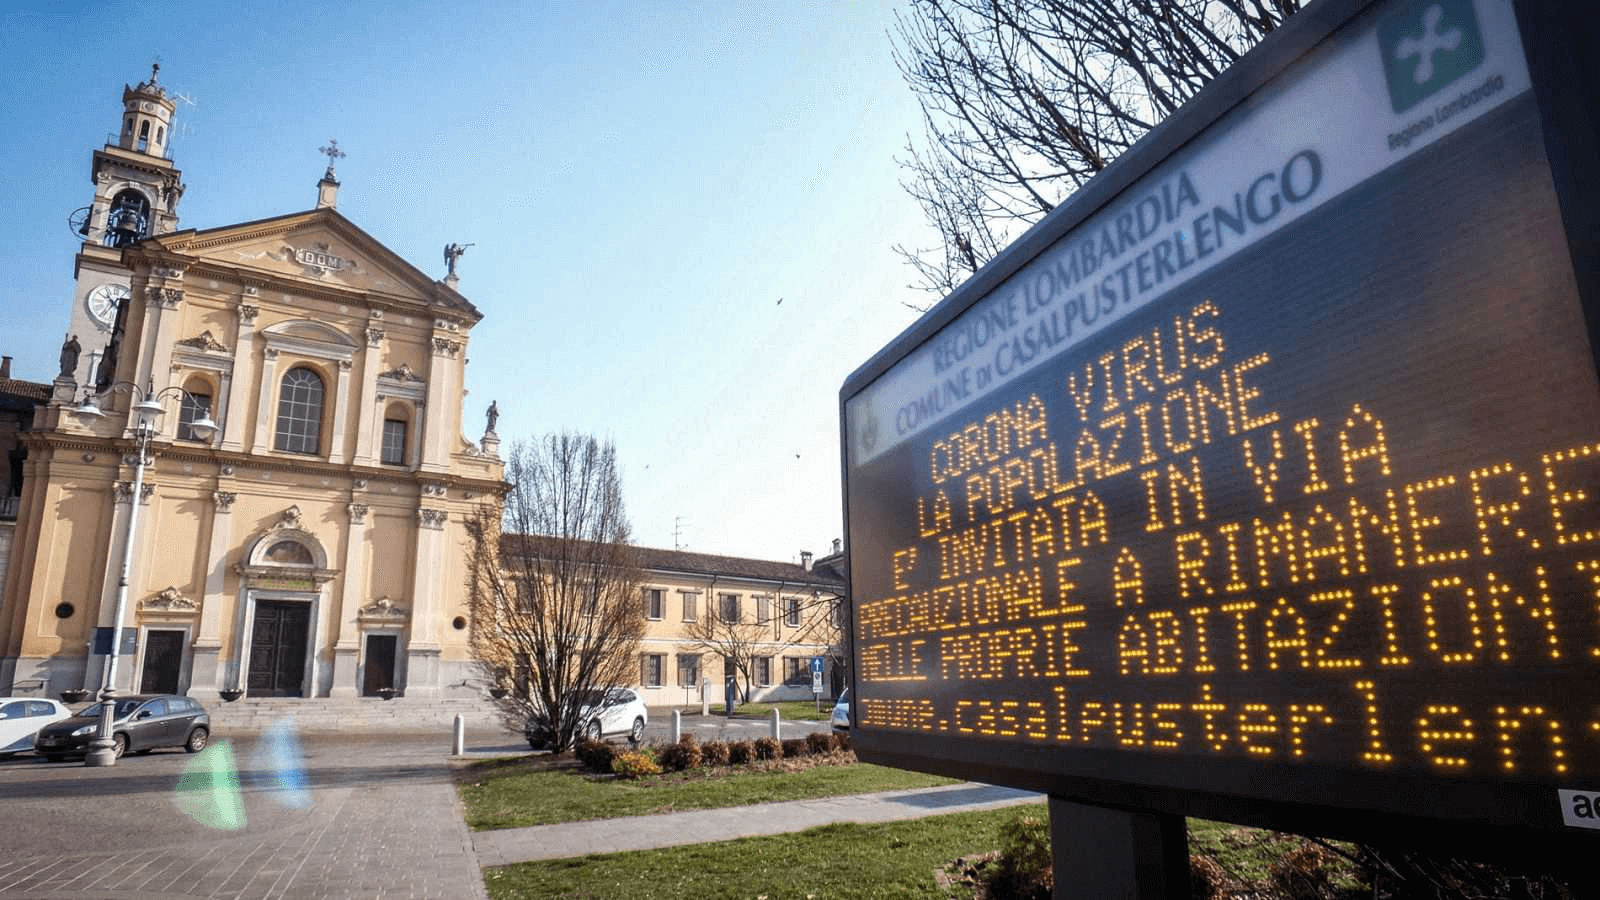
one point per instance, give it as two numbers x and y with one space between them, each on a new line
128 220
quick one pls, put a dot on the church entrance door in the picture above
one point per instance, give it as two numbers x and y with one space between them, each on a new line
278 649
379 670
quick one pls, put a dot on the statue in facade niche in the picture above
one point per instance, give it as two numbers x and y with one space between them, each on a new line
70 349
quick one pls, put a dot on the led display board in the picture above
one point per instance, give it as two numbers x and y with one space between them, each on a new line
1263 479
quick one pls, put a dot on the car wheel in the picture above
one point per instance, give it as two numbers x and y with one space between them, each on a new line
594 730
197 740
636 733
119 745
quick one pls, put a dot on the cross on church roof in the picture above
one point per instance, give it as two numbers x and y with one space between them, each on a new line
333 152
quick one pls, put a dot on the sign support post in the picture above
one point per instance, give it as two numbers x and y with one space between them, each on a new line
1099 851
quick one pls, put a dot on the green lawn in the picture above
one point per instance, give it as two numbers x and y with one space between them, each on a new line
896 859
512 793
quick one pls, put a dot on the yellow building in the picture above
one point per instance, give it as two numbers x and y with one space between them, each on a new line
313 546
776 616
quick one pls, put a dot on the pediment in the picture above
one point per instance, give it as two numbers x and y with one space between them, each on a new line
308 330
320 247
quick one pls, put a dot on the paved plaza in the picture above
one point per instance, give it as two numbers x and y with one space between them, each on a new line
338 817
350 816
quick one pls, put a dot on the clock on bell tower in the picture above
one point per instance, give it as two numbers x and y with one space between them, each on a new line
136 194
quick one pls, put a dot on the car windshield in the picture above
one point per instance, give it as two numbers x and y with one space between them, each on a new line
123 708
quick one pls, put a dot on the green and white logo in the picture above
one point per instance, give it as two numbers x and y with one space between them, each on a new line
1426 45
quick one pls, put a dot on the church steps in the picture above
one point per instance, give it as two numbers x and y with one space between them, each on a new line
249 715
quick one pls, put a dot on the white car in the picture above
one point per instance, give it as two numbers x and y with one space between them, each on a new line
614 711
840 720
22 717
620 711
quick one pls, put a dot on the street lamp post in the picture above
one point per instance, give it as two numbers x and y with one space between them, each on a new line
102 750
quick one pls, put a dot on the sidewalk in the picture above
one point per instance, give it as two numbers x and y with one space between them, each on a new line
513 845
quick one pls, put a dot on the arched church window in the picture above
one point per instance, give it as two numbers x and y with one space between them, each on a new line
161 134
300 412
129 219
288 553
144 135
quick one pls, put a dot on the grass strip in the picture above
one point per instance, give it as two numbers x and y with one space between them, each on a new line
510 794
895 859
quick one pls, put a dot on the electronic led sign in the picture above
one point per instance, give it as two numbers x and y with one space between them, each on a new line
1273 479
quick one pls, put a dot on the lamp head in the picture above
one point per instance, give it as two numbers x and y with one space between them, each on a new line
203 428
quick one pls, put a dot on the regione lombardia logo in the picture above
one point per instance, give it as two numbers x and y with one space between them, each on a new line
1427 44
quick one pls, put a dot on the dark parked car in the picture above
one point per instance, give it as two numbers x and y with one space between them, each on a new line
140 723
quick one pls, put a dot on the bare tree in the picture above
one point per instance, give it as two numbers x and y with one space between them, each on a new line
739 635
1025 100
556 606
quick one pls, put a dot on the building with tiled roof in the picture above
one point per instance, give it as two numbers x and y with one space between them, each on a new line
787 614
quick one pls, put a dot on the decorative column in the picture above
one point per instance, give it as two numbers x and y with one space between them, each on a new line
347 646
443 378
206 677
341 409
422 651
244 350
269 378
94 665
156 338
367 400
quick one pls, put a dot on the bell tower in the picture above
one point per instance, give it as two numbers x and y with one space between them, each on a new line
136 193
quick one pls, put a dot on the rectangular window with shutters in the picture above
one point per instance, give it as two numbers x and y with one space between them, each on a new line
796 670
689 669
690 602
728 607
652 668
653 602
394 442
763 669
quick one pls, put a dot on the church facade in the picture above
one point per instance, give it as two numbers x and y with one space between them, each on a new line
314 544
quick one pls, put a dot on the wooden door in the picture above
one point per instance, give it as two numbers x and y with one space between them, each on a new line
163 657
278 649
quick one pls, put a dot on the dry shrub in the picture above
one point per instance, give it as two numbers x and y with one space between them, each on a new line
768 748
794 748
1207 879
841 741
714 753
1304 873
1024 869
819 742
634 764
685 754
741 752
596 756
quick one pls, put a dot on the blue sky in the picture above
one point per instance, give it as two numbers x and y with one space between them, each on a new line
642 183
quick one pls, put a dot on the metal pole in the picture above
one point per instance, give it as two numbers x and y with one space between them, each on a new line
101 752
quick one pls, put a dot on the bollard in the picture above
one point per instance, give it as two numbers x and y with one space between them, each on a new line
460 745
705 704
775 733
677 726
